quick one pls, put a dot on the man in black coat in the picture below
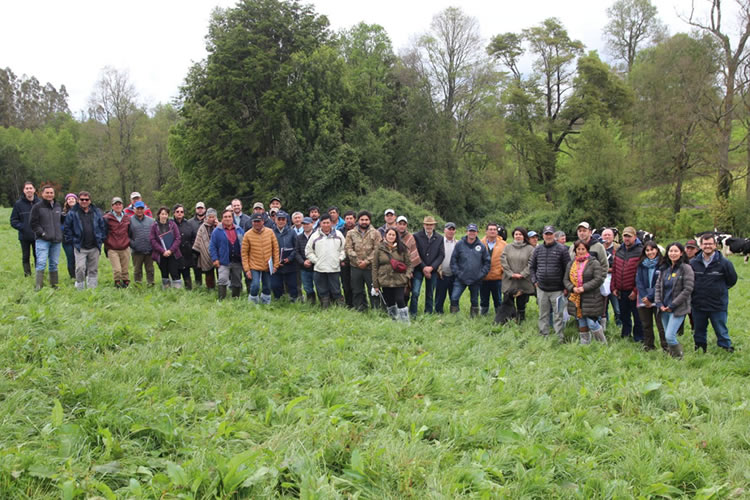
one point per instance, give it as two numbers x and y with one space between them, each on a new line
20 219
547 268
431 252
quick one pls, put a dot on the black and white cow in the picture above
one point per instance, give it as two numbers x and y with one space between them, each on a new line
728 244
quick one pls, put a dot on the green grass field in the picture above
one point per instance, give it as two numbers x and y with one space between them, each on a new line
151 394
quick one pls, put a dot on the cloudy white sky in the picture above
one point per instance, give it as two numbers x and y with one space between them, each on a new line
156 41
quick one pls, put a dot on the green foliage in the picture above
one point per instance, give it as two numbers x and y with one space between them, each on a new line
380 199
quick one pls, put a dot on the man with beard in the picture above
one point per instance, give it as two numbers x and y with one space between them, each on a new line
361 243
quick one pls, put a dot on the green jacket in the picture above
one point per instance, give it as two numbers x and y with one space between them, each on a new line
383 275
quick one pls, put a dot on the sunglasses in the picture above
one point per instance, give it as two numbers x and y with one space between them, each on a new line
84 199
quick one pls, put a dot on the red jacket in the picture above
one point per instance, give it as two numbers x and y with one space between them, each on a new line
117 233
625 267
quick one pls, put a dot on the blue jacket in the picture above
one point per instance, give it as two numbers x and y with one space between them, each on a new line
219 246
287 249
470 262
646 289
73 230
712 283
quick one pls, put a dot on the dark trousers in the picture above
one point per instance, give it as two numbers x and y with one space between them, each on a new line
198 273
394 297
281 280
70 258
442 290
631 322
458 290
361 283
27 250
346 283
429 292
141 260
490 288
169 268
521 302
649 316
328 284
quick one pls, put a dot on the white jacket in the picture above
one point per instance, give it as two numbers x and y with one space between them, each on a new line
326 252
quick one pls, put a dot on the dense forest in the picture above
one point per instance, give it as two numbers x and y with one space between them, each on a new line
653 132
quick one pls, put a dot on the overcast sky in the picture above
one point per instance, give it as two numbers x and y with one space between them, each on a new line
156 41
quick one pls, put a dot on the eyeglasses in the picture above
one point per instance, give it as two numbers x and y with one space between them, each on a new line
84 199
179 211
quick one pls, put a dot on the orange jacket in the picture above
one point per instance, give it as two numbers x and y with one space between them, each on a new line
257 248
496 268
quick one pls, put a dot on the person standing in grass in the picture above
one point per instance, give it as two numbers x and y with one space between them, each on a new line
286 276
430 247
45 219
646 278
445 275
610 246
20 220
260 257
326 249
226 254
350 221
202 247
546 271
583 277
402 226
197 222
516 273
86 228
165 248
470 263
673 294
492 282
391 270
304 264
140 244
187 239
362 241
117 242
714 276
623 283
71 200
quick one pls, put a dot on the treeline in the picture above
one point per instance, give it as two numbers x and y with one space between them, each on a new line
282 105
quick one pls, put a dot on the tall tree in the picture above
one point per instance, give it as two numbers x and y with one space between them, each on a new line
631 24
26 103
734 55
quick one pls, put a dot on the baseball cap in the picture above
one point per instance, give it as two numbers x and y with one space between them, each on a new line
692 243
548 229
450 225
402 218
390 211
630 230
306 220
135 194
255 217
281 214
531 234
276 198
117 199
584 224
200 204
139 204
258 204
472 227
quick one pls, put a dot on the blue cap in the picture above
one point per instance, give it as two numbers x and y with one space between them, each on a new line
533 233
281 214
307 220
472 227
139 204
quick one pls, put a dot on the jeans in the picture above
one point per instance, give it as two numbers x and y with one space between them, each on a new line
549 310
361 280
628 312
307 281
278 280
442 290
47 250
588 322
611 299
700 318
490 288
328 284
458 289
70 258
255 282
416 287
671 324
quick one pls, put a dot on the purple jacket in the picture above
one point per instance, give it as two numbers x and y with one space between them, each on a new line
157 248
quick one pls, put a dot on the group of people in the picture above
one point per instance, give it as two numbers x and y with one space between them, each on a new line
333 259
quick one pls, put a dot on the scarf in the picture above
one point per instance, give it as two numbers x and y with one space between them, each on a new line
650 264
576 277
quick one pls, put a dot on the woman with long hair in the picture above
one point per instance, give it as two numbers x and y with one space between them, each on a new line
165 245
646 277
71 200
673 293
515 261
391 270
582 280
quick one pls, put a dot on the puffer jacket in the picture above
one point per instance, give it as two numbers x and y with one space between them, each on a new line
547 266
362 246
20 217
496 264
140 234
287 240
383 275
515 259
45 221
258 248
117 232
712 283
682 289
597 250
626 264
73 230
592 304
326 252
470 262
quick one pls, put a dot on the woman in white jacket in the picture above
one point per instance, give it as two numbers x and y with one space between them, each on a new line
325 249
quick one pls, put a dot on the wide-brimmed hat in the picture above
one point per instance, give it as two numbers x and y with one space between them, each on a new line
429 220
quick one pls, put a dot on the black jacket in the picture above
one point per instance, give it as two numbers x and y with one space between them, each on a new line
547 266
73 229
46 221
299 247
712 283
20 218
188 231
431 250
470 262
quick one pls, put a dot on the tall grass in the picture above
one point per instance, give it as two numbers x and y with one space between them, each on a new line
149 394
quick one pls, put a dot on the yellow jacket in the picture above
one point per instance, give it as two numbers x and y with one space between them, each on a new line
496 267
257 248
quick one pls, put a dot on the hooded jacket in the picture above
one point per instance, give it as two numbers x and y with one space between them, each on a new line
73 231
287 240
383 275
470 262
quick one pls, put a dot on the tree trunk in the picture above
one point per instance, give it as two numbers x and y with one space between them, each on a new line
681 167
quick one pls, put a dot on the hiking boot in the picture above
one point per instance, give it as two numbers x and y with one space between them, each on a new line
454 309
310 299
701 346
484 310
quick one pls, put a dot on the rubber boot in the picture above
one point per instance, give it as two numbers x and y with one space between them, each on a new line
584 334
325 302
165 283
403 315
92 283
26 269
188 283
484 311
599 335
473 312
39 280
177 284
125 283
265 299
454 309
701 346
311 298
53 279
80 285
603 322
236 291
393 313
222 292
253 299
675 351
